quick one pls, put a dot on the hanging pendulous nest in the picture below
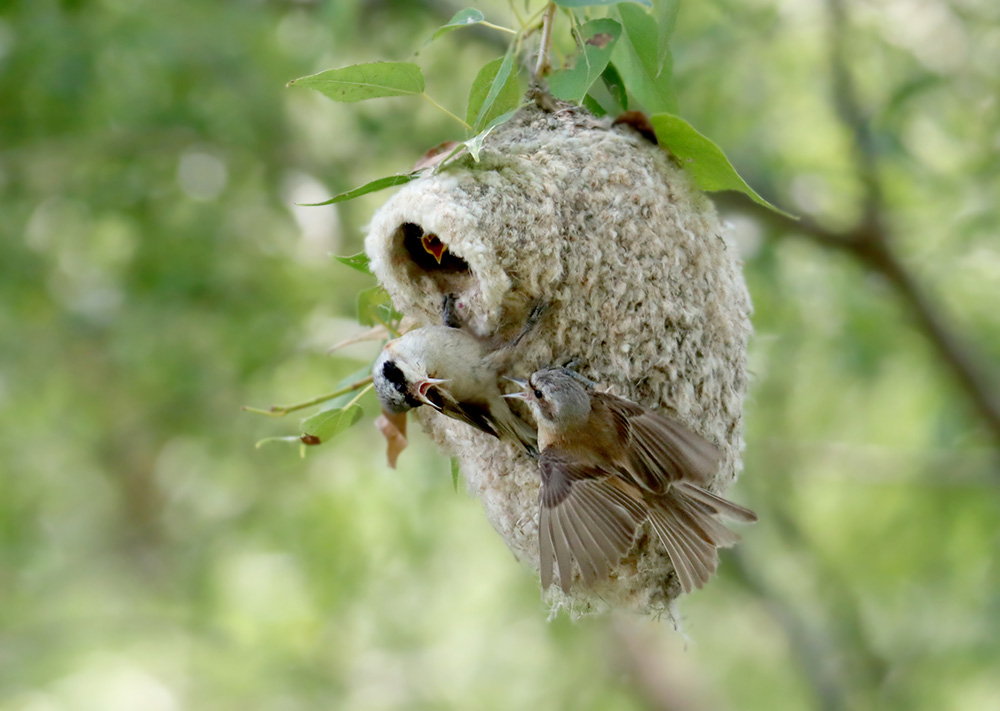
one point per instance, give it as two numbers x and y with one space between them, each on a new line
644 295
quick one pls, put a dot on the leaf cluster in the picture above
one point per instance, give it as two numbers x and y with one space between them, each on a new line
621 62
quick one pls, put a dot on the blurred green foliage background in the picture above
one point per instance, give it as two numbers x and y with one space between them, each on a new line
155 275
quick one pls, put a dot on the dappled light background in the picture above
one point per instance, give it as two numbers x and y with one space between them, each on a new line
156 274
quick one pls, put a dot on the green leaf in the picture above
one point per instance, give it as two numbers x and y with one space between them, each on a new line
475 144
594 106
462 18
374 186
636 58
359 82
585 3
704 160
597 38
615 85
375 306
665 12
454 473
329 423
494 92
357 262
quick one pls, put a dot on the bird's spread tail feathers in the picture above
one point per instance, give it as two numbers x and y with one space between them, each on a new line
687 525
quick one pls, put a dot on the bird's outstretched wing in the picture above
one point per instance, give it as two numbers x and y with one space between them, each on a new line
659 450
585 514
672 464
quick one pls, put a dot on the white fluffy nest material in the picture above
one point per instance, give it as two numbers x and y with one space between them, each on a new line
645 295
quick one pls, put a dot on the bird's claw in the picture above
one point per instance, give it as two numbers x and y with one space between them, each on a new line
449 311
571 365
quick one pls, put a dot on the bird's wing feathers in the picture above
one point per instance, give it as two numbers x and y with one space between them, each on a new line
717 505
660 450
585 515
694 559
687 524
672 464
501 423
472 412
476 414
514 429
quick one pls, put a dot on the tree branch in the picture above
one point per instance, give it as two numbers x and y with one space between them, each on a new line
870 241
810 651
542 67
848 108
872 246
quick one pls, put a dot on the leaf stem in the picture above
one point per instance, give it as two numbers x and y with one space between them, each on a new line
394 332
542 67
357 397
501 28
282 410
441 108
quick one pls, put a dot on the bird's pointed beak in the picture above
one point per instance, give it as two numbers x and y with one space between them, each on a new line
422 386
523 384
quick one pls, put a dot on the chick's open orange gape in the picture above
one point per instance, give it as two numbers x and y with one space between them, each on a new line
643 293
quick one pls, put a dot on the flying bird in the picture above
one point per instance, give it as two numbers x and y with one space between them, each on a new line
607 466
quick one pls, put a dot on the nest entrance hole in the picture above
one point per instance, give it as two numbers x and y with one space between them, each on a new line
430 256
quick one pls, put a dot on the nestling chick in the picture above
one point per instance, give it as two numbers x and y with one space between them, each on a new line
608 465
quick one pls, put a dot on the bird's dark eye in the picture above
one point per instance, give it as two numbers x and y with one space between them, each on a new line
538 393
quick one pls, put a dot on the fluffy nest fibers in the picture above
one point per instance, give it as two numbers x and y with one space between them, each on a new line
644 295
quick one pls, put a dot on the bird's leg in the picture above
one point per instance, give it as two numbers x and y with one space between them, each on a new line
501 354
538 309
449 311
571 366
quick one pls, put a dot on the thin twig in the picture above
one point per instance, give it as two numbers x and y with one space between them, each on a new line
354 400
542 67
517 15
282 410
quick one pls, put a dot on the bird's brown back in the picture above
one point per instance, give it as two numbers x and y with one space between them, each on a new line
642 446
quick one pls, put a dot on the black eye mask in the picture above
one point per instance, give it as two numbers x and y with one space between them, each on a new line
394 376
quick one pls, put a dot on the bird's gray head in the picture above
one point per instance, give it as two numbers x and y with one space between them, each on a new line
557 396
